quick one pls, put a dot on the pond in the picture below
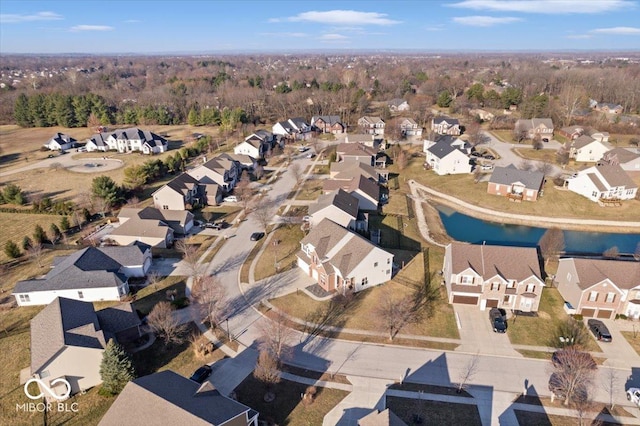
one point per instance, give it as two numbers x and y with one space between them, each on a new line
466 228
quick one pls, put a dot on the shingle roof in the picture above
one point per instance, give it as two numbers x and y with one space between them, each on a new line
354 149
597 182
582 141
62 138
64 322
349 170
614 175
623 155
517 263
134 133
510 174
624 274
448 120
166 398
182 183
441 149
365 185
372 120
340 199
118 318
329 119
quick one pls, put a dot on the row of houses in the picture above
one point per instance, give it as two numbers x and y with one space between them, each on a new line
123 140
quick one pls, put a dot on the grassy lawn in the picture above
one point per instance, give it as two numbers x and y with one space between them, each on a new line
216 213
397 232
147 297
287 408
311 189
554 202
550 315
547 155
282 254
244 269
415 412
526 418
633 339
15 226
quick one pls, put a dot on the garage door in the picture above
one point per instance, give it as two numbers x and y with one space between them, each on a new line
465 300
605 313
588 312
492 303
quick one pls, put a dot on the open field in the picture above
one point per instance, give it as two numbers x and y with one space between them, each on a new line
311 189
633 339
287 408
281 254
16 226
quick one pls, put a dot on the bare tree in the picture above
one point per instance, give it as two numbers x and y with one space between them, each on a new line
526 165
165 324
402 160
468 372
102 205
551 244
211 298
477 174
244 191
296 170
267 372
264 212
35 252
276 337
395 312
153 278
610 384
573 375
545 168
190 258
562 156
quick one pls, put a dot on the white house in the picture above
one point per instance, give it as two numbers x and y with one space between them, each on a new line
603 183
409 127
68 338
587 149
367 191
128 140
341 260
61 142
294 128
626 158
445 159
446 126
453 141
92 274
339 206
251 148
219 170
371 125
180 193
398 105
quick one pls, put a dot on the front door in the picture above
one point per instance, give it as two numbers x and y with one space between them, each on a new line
525 304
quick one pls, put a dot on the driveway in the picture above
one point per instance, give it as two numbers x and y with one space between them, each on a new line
99 164
166 266
477 335
619 352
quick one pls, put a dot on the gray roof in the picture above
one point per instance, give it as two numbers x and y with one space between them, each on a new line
134 133
372 120
510 174
396 102
118 318
369 187
166 398
623 155
329 119
99 139
340 199
182 183
142 228
448 120
92 267
182 216
62 138
351 149
528 124
243 159
582 141
64 322
624 274
349 170
441 149
614 175
516 263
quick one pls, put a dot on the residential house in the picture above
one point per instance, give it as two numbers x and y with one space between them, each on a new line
493 276
445 159
515 184
246 162
128 140
371 125
328 124
586 149
600 136
349 170
61 142
609 108
68 338
599 288
341 207
365 190
341 260
359 153
92 274
535 127
481 114
453 141
167 398
293 128
370 141
603 183
381 418
572 132
409 127
220 171
181 193
151 226
446 126
253 148
625 158
398 105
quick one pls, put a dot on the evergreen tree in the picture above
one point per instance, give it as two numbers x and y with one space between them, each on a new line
116 368
21 111
106 188
26 243
64 224
54 233
38 235
444 99
11 249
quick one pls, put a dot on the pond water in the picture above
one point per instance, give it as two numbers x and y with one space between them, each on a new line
466 228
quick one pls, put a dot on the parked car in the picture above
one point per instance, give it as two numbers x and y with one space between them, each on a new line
633 395
476 154
50 156
201 374
306 219
578 357
230 199
599 330
303 148
498 320
487 167
311 155
256 236
81 149
489 157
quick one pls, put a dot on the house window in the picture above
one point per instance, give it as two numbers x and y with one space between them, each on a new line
511 284
25 298
506 300
165 207
611 297
388 261
495 286
531 288
365 281
80 295
466 279
593 296
375 265
323 279
388 271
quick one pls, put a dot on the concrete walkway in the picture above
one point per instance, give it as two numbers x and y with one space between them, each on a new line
367 395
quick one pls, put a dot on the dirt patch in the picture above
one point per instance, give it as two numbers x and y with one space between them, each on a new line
95 166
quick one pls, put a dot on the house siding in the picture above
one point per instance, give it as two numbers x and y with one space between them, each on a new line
80 366
601 290
166 196
88 295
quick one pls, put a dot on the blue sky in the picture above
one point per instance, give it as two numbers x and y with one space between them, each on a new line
273 26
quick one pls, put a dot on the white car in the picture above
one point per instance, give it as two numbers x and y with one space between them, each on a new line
633 395
230 199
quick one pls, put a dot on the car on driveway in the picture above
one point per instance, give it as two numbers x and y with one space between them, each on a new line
489 157
498 320
633 395
599 330
256 236
201 374
230 199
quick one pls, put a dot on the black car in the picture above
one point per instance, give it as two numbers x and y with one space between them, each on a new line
489 157
256 236
498 320
599 330
201 374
